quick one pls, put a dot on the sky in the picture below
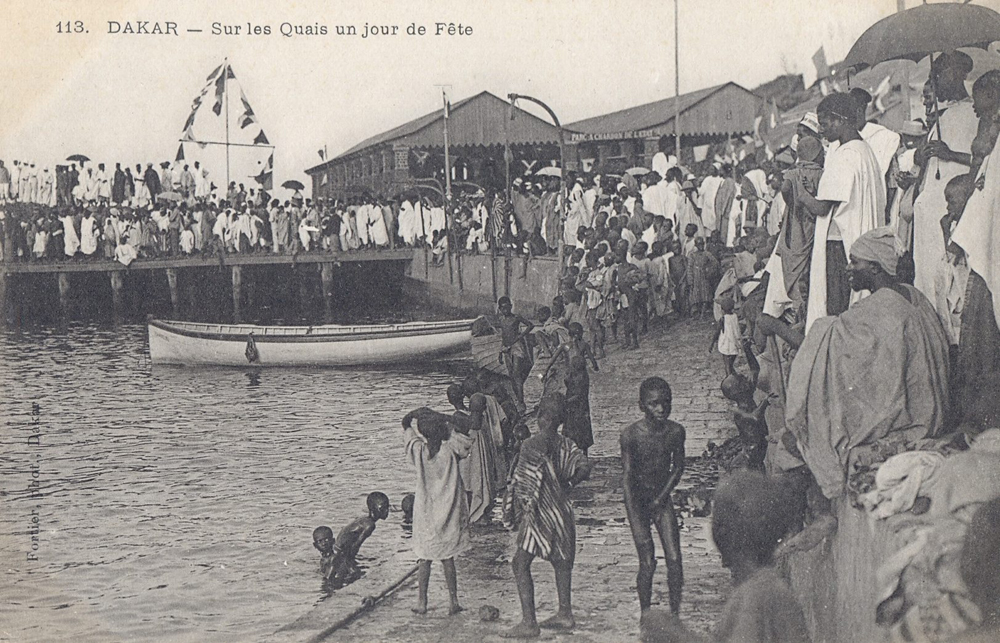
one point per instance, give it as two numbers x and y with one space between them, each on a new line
118 97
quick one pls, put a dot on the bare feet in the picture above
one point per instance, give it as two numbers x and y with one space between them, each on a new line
522 631
454 609
420 609
560 621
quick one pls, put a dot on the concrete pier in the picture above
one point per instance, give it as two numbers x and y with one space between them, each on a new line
194 283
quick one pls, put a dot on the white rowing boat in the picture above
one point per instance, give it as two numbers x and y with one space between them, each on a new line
195 344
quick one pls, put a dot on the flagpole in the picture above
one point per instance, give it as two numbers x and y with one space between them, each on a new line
447 187
677 84
225 97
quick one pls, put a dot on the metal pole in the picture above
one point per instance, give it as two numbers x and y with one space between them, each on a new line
677 84
225 94
447 189
562 162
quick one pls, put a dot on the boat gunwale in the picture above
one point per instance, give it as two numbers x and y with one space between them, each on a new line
397 331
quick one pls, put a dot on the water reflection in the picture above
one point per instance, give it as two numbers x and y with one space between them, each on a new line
179 503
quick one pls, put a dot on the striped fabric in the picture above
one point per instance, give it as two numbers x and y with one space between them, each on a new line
536 502
499 222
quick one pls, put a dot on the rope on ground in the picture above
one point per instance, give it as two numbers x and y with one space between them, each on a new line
368 603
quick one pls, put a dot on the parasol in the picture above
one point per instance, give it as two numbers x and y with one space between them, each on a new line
549 170
924 30
168 196
638 171
79 158
293 185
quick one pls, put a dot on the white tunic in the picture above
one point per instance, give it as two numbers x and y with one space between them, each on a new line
88 239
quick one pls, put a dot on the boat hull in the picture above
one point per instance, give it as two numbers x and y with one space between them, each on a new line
184 344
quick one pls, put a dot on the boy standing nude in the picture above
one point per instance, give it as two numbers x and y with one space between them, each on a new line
653 461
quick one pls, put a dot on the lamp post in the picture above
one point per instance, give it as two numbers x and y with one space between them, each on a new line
562 167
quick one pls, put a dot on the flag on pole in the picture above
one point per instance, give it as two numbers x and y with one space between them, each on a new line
220 90
447 104
248 116
881 93
180 153
322 156
261 139
266 177
819 60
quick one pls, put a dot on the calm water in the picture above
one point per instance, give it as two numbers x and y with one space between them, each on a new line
178 504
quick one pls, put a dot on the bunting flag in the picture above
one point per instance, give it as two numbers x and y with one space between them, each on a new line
248 116
881 93
212 76
322 157
227 105
220 90
266 177
819 60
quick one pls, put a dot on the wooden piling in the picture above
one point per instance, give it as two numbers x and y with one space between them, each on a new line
326 274
117 286
237 293
175 300
64 293
4 311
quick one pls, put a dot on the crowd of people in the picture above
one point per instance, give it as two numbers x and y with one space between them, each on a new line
855 293
854 282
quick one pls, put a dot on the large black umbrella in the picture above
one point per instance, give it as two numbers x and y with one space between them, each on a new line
924 30
79 158
293 185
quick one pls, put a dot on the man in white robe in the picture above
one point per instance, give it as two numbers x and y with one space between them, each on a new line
71 241
849 202
944 158
88 234
707 191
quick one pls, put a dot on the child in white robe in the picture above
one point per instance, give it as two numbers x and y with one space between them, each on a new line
441 507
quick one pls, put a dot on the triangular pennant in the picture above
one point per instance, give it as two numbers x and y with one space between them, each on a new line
246 104
261 139
230 75
188 135
180 153
217 108
247 120
190 121
212 75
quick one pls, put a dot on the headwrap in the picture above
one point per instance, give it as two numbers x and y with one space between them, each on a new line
879 246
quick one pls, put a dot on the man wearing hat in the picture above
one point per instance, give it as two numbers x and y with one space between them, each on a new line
808 126
880 367
945 156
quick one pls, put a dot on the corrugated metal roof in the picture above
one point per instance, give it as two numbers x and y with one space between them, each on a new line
476 120
650 118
